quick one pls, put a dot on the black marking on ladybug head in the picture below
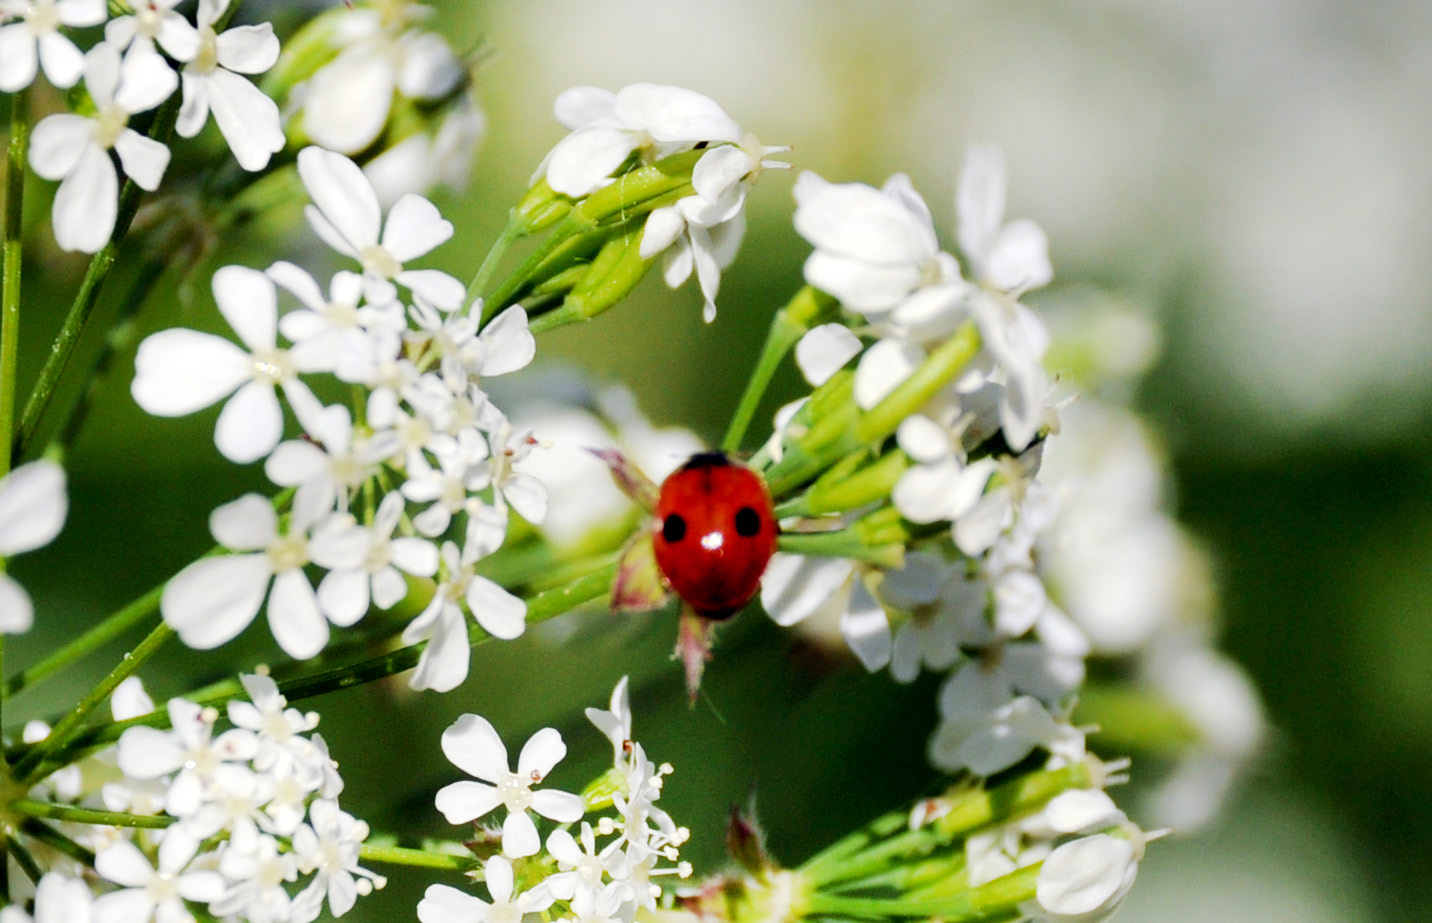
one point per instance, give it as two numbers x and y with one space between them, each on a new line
673 529
748 522
707 460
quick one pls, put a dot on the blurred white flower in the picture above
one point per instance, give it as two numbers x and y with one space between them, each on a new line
443 904
36 41
328 846
796 587
473 746
154 893
247 118
75 148
153 21
444 662
33 506
824 350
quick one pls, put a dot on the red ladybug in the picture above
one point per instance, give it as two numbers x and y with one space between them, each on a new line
717 533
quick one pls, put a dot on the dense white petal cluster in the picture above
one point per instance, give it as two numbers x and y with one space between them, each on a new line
426 433
604 872
34 42
643 123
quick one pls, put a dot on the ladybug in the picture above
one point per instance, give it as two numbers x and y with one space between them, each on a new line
717 531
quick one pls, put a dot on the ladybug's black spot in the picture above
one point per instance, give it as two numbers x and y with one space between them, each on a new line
707 460
674 528
748 522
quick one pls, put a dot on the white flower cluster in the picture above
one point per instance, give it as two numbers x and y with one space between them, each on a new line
265 791
603 873
426 433
648 122
209 66
1092 532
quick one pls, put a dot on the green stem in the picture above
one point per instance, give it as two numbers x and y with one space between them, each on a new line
510 233
33 765
541 607
22 857
998 900
787 327
62 350
74 815
10 283
112 627
417 858
56 840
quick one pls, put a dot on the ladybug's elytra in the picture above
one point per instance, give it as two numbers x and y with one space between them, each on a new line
717 533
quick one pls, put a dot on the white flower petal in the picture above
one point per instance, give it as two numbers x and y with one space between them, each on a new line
662 228
519 837
980 203
500 614
61 60
824 350
17 612
415 226
248 49
348 103
671 113
581 106
145 81
122 863
444 662
861 285
180 371
866 629
433 285
248 119
582 160
144 159
250 424
248 301
195 110
509 343
343 596
795 586
542 751
85 206
212 600
444 904
18 60
463 802
563 807
293 616
1086 875
33 505
58 141
883 367
472 745
246 524
342 193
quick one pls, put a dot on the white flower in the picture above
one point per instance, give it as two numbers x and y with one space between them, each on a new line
346 593
797 587
341 334
248 119
462 471
873 247
615 723
607 128
443 664
35 41
153 21
212 600
443 904
473 746
151 893
346 214
180 371
346 104
277 728
1085 880
340 466
33 506
75 149
328 846
1011 257
940 485
582 864
189 747
256 873
426 159
512 487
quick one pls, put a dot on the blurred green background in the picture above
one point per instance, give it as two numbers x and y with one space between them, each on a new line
1255 176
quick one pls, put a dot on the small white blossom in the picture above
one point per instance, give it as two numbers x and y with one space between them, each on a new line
256 872
75 149
36 42
247 118
444 662
799 587
212 600
444 904
153 21
151 893
180 371
328 846
474 747
188 747
347 593
342 334
346 214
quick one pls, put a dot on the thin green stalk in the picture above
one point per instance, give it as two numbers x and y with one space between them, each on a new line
62 350
33 765
107 630
540 607
510 233
10 284
57 841
417 858
74 815
788 325
22 858
998 900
